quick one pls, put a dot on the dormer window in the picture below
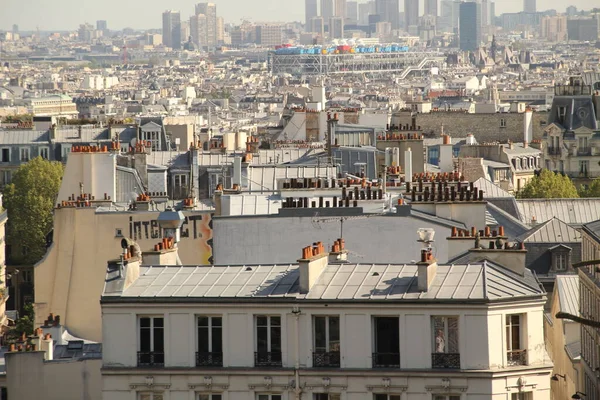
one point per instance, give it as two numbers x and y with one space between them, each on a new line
561 258
562 113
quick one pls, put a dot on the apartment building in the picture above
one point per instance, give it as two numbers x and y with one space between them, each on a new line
570 144
323 328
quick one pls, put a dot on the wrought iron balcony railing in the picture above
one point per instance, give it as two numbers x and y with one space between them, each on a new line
386 360
327 359
150 359
445 360
211 359
516 357
267 359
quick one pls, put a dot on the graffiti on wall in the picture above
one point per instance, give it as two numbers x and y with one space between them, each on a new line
197 227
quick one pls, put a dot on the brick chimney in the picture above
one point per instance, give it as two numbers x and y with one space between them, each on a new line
53 329
461 241
511 256
164 253
47 346
426 270
311 265
339 254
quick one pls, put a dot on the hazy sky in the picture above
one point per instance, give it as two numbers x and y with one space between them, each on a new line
68 14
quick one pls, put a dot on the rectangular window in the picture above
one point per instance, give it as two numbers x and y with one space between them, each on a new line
326 396
6 177
66 150
560 262
515 355
502 123
44 153
521 396
583 167
382 396
209 396
24 154
268 341
210 342
151 342
5 155
269 396
387 342
149 396
445 342
326 341
446 397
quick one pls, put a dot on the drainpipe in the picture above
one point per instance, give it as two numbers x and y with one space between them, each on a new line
296 311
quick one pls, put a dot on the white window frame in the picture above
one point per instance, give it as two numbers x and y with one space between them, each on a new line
269 396
210 331
152 327
43 149
502 122
208 396
445 333
561 261
66 150
27 151
150 396
6 174
5 148
177 177
508 326
269 326
327 332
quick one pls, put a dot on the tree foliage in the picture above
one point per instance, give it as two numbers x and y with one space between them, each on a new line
593 190
30 200
549 185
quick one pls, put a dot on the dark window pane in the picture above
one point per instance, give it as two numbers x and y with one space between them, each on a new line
275 338
334 329
202 321
203 340
261 321
145 322
320 339
159 322
452 335
387 335
145 339
261 339
159 344
217 340
380 397
275 321
217 321
275 397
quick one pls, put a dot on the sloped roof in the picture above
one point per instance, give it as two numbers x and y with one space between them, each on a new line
568 293
490 190
570 211
482 281
551 231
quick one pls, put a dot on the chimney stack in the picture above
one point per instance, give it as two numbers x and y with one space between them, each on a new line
311 265
426 270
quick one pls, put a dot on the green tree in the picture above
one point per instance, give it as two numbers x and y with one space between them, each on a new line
593 190
30 200
549 185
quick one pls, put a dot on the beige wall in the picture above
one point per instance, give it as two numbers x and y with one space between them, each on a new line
29 377
95 170
481 345
555 333
70 278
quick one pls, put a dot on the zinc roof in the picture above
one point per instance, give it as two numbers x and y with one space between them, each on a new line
570 211
341 282
552 231
568 293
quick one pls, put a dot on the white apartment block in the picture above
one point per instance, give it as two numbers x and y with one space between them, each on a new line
323 329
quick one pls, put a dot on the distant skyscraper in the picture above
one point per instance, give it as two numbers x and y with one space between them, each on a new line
339 9
15 28
411 13
317 26
492 13
485 12
449 15
210 10
311 10
199 30
364 10
327 9
101 25
352 12
171 29
389 11
431 7
470 26
336 28
529 6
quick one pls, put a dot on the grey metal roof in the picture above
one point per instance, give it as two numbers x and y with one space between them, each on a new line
568 293
552 231
23 137
78 350
490 190
343 282
593 228
512 226
574 350
570 211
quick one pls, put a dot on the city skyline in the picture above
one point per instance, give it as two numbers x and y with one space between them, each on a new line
68 14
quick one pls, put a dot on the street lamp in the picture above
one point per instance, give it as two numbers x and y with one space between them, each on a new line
556 376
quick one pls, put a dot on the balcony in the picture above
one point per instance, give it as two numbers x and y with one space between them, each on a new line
516 357
209 359
267 359
386 360
150 359
445 360
553 151
329 359
584 151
